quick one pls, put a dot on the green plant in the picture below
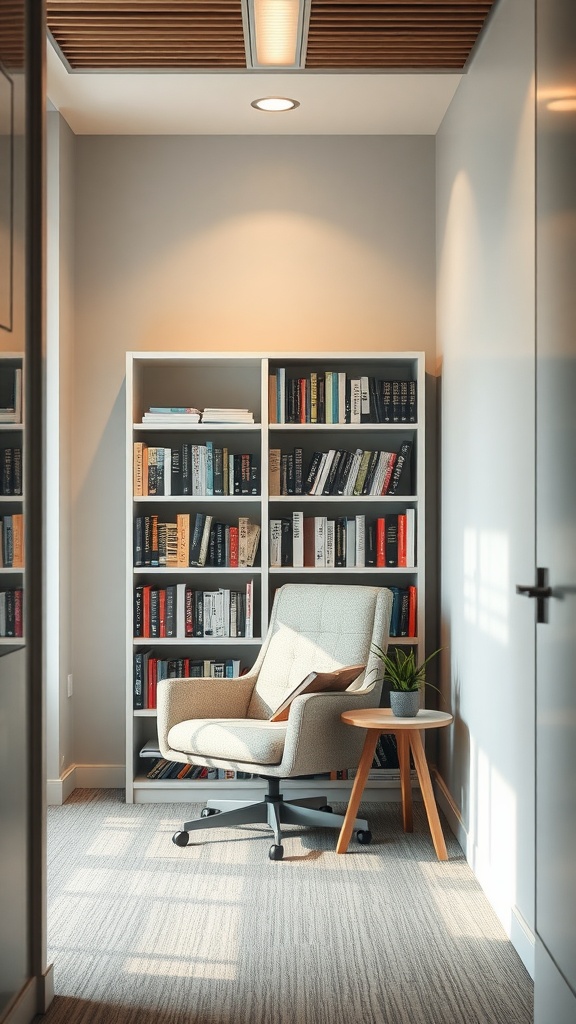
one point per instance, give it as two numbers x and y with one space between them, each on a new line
401 670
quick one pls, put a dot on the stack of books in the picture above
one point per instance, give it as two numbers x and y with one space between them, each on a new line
163 415
211 415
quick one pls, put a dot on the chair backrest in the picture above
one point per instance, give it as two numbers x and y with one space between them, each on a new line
320 627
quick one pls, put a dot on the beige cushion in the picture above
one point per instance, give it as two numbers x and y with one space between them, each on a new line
234 739
317 628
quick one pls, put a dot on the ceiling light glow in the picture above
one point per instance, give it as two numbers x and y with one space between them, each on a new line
275 103
276 25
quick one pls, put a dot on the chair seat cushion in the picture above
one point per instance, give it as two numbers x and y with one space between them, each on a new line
233 739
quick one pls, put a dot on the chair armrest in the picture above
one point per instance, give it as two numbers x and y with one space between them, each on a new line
316 738
181 699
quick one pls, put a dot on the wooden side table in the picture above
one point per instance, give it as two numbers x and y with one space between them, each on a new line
407 732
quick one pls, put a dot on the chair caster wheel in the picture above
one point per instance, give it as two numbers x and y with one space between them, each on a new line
207 812
327 808
180 838
276 852
364 837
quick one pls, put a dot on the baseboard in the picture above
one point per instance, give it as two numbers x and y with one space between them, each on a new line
85 776
517 929
34 998
58 790
523 940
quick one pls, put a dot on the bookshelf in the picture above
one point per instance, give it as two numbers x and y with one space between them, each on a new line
156 380
11 503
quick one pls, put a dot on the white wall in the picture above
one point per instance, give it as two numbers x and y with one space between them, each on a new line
485 197
222 243
59 368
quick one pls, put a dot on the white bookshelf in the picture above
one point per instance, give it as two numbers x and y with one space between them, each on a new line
230 380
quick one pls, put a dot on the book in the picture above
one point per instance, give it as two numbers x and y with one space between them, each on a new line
391 540
298 540
318 682
380 542
272 401
286 542
312 471
355 400
401 482
275 543
412 609
320 541
249 621
214 415
138 469
196 538
401 561
275 456
309 542
330 543
410 538
360 553
183 527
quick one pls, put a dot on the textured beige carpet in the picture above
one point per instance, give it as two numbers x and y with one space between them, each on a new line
216 933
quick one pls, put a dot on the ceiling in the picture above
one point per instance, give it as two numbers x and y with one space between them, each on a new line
181 66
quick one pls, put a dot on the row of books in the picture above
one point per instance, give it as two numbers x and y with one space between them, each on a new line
149 670
11 471
11 613
198 543
340 471
174 770
300 541
12 541
385 757
180 612
193 469
10 394
333 396
170 415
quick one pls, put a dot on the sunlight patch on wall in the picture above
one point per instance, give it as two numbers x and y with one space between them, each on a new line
455 914
493 828
486 581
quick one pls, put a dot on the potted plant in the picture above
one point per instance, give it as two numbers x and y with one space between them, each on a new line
405 677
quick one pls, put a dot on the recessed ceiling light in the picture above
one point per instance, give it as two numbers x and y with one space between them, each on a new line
275 103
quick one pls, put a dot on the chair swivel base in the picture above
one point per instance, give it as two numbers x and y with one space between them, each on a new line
274 811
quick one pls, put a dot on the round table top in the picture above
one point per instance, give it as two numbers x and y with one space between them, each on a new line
385 721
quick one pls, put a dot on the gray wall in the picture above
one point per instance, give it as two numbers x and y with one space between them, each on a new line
232 244
485 180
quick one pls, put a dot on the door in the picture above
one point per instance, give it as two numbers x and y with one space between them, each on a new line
555 974
24 981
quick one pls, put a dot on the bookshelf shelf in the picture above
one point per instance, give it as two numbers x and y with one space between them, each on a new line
197 428
232 381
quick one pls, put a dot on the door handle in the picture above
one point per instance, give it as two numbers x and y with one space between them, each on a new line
540 590
532 591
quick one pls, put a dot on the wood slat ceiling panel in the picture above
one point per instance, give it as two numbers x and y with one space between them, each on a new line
104 34
394 34
11 36
343 34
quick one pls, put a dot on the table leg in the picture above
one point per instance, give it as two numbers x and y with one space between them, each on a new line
403 746
357 789
423 772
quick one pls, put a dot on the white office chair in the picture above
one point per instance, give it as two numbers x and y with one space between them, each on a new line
224 723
